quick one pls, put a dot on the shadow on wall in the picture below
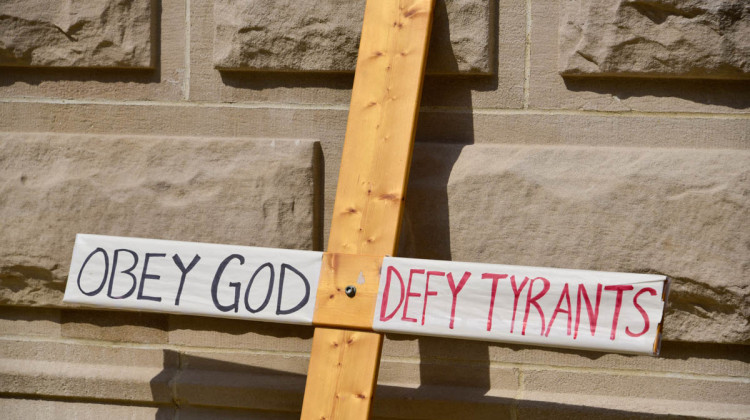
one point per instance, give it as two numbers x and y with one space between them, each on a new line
731 93
425 231
261 80
194 387
38 75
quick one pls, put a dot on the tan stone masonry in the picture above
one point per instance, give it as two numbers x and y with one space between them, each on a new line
524 156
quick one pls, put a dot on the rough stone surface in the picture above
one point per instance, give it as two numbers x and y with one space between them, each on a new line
666 38
588 384
630 408
128 326
234 191
198 331
53 369
679 212
75 33
705 359
17 320
20 409
547 170
289 35
409 388
264 381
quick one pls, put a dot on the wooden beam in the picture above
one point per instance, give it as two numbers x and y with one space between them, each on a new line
370 195
380 129
342 374
333 307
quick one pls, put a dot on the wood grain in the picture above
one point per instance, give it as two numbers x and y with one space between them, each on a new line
380 129
333 308
370 195
341 379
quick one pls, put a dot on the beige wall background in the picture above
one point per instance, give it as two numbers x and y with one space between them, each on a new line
604 135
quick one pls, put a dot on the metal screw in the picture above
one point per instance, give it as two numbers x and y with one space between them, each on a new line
350 291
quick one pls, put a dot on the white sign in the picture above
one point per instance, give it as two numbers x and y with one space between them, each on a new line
527 305
229 281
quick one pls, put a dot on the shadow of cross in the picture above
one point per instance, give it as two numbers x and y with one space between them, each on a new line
201 386
204 387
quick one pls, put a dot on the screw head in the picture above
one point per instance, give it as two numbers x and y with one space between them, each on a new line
350 291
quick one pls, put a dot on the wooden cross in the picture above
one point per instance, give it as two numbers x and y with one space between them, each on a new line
368 208
345 291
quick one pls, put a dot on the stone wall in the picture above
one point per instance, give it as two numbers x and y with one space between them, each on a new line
606 135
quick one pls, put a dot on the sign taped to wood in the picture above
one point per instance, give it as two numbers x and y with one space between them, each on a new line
228 281
513 304
526 305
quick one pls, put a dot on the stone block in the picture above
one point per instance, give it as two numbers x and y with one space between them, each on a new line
166 81
229 384
263 381
288 35
440 403
55 369
458 373
326 88
76 33
431 388
585 129
548 89
678 212
701 397
193 331
22 409
201 413
635 386
234 191
543 410
656 38
16 320
568 392
134 327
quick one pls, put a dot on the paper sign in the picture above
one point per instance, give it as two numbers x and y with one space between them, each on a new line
228 281
526 305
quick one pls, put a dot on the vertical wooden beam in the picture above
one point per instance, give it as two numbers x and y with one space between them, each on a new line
380 129
342 374
370 194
